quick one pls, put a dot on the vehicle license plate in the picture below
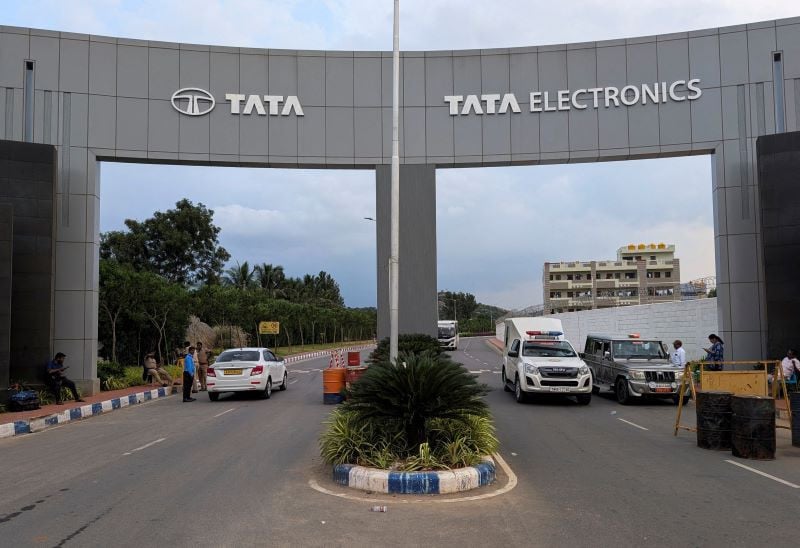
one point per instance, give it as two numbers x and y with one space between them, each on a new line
559 389
664 389
233 371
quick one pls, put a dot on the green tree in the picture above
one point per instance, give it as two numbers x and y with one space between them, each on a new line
458 306
119 296
270 278
180 244
241 276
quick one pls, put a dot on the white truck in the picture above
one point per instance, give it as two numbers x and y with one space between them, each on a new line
539 360
448 334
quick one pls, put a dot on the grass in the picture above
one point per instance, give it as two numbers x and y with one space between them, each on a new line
289 350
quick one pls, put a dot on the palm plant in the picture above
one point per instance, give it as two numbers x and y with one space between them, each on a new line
240 276
421 387
270 278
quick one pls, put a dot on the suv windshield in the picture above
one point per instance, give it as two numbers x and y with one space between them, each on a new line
638 349
447 332
238 356
548 349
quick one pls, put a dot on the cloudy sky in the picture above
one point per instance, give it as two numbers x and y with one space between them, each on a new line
313 220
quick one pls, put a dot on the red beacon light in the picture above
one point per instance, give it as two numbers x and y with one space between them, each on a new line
545 333
633 336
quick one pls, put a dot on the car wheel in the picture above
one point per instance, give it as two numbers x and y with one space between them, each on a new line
505 380
213 396
595 389
519 395
267 393
285 382
623 396
583 399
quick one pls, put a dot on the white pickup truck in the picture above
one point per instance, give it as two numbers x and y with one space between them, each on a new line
538 360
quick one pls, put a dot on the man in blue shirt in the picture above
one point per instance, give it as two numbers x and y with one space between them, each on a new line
188 374
56 378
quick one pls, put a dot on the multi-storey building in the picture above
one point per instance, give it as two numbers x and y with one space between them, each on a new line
641 274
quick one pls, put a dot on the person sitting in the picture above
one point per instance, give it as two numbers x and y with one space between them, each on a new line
156 372
56 378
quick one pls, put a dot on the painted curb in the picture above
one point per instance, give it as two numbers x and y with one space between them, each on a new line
323 353
18 428
415 483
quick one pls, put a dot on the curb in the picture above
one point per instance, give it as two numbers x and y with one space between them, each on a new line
323 353
18 428
415 483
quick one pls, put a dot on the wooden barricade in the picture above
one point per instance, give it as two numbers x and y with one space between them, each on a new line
749 378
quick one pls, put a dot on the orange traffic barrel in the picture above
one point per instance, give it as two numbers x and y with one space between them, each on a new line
333 380
353 358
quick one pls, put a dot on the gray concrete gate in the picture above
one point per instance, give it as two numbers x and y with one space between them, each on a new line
112 99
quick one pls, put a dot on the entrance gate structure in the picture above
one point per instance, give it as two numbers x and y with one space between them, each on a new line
98 99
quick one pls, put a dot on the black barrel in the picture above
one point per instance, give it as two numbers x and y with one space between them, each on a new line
713 419
753 424
794 409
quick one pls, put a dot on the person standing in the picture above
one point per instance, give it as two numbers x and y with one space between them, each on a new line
188 375
679 356
790 365
715 355
156 371
57 379
202 365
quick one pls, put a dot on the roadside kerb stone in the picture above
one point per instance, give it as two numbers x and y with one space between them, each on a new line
21 427
415 483
324 353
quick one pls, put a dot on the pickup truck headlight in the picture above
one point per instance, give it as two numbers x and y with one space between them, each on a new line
583 370
531 369
638 375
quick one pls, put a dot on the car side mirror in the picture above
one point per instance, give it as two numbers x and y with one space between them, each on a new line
513 354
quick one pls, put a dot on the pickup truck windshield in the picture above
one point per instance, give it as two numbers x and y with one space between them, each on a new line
638 349
548 349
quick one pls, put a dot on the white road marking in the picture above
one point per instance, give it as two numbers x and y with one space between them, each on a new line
512 482
760 473
294 381
632 424
220 414
145 446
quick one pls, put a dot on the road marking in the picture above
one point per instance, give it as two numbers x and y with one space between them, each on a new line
145 446
512 482
632 424
760 473
220 414
294 381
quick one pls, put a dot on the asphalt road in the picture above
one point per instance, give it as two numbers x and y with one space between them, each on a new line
236 473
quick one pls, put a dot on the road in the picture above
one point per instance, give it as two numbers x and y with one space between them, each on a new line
236 473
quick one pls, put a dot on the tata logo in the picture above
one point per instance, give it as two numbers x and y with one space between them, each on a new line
193 101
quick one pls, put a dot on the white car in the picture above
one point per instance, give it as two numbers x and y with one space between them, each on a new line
246 370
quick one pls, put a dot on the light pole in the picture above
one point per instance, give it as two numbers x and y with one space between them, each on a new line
394 259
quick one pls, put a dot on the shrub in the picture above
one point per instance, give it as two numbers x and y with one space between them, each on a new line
416 343
113 383
425 386
109 369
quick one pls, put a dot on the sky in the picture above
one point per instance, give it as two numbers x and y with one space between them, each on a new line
309 221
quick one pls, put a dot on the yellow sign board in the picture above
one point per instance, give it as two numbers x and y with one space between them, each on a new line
269 328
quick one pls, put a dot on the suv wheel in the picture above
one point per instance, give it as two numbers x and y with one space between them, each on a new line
505 380
623 396
519 395
583 399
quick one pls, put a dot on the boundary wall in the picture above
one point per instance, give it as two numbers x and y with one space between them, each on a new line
689 321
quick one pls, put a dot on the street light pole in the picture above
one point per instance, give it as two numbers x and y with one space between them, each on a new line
394 259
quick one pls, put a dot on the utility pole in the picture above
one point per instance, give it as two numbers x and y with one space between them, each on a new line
394 259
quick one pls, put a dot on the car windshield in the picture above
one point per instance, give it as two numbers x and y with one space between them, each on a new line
548 349
638 349
238 356
447 332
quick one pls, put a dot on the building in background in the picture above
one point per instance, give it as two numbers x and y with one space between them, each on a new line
641 274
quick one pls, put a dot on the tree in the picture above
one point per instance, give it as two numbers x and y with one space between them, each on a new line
240 276
456 306
271 279
118 296
180 244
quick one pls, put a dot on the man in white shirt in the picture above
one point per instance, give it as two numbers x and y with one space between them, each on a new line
790 364
679 356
